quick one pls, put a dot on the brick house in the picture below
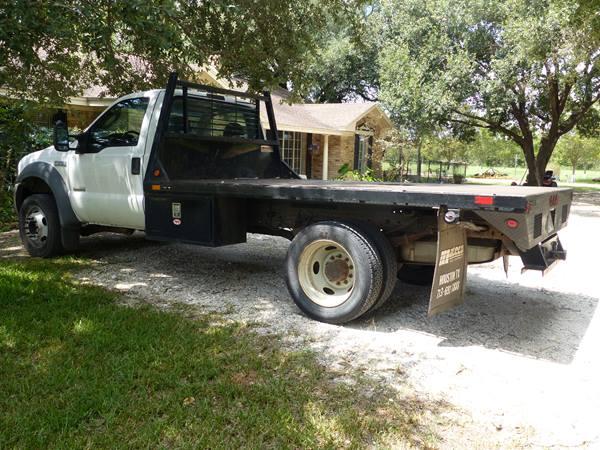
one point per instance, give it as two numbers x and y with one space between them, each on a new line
319 138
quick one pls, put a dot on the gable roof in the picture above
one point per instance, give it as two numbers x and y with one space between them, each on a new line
322 118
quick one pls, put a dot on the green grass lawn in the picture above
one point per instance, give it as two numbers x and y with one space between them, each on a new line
79 369
581 176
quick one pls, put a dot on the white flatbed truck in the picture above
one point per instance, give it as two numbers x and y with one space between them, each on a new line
191 163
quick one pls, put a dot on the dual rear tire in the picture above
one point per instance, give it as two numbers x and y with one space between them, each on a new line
337 271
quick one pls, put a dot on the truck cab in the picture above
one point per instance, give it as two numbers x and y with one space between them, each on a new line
103 168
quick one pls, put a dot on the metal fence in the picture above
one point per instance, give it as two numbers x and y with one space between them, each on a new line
432 171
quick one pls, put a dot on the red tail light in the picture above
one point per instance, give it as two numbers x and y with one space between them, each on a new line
484 200
512 223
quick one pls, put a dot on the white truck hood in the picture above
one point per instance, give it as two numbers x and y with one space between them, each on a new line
48 154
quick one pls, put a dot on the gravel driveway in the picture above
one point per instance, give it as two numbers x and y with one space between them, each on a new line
520 356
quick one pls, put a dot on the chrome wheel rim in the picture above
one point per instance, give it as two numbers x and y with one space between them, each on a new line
327 273
36 227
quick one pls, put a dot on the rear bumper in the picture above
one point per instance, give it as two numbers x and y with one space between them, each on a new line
544 255
545 216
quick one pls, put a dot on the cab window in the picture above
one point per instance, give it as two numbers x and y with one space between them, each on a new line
213 118
120 126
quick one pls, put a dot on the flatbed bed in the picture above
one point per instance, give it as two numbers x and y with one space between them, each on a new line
503 198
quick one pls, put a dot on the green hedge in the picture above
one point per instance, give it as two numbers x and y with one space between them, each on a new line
19 135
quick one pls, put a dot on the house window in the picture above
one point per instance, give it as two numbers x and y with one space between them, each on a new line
363 153
293 150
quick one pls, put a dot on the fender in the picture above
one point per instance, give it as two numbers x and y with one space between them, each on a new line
69 222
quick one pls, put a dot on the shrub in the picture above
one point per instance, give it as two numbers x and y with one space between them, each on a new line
19 135
346 174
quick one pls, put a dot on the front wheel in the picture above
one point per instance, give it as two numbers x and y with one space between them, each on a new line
333 272
39 226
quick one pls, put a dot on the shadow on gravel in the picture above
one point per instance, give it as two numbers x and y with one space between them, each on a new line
537 323
106 244
591 198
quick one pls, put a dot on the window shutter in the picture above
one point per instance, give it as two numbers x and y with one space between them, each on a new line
356 151
370 153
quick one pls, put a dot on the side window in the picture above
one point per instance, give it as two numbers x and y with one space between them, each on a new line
120 126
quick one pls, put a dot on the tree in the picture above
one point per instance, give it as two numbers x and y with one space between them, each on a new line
445 148
345 65
525 69
489 150
409 112
18 136
53 50
577 151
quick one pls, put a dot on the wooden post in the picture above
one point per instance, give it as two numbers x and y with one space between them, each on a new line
325 155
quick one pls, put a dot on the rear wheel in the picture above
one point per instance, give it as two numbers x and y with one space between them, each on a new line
39 226
389 261
333 272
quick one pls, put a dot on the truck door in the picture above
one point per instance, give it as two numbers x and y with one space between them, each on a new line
106 180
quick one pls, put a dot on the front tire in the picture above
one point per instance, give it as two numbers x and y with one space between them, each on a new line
333 272
39 226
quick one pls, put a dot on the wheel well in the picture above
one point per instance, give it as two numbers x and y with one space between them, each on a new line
30 186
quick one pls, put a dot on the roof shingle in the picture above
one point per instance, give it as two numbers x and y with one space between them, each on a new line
335 118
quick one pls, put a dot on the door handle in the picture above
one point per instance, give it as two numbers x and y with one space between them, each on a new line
136 166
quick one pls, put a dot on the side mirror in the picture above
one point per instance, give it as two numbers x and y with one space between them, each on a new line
61 132
82 143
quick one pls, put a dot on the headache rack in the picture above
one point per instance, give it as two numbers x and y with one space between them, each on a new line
198 115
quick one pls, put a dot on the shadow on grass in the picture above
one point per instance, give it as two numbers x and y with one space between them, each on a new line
77 370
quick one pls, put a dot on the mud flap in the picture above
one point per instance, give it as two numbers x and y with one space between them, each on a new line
450 275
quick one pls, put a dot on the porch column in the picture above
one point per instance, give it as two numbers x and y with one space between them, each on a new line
325 155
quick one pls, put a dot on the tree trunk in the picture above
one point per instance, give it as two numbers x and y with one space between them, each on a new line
419 161
543 157
536 164
532 179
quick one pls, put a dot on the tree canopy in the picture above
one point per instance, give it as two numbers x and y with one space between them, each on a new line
491 150
56 49
520 68
577 151
344 67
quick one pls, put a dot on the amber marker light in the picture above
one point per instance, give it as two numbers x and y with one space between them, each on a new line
156 187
